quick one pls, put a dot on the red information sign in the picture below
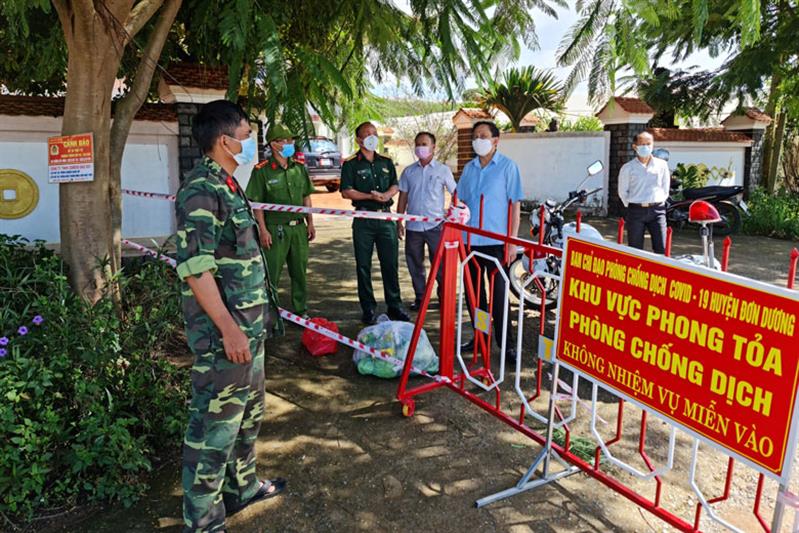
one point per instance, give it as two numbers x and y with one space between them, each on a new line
70 158
715 353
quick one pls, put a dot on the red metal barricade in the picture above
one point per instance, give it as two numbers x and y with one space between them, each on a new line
477 382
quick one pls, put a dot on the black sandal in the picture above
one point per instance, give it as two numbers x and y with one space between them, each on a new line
263 493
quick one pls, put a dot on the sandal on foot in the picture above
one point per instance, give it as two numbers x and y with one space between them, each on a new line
263 493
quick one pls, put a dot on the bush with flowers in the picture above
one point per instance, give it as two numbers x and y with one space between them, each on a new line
89 400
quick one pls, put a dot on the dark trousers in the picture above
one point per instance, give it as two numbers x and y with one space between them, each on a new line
483 271
651 219
367 235
415 243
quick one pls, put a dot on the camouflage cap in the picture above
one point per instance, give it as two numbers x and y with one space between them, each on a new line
278 131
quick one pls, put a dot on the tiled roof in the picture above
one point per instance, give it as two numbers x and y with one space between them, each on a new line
44 106
697 135
475 112
631 105
194 75
751 112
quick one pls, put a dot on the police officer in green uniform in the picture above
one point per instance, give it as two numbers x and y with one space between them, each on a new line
370 181
229 308
284 236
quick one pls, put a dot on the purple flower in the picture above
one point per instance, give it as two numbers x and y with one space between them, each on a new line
37 320
3 352
3 341
22 330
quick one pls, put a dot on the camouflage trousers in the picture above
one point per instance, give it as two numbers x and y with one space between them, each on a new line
219 448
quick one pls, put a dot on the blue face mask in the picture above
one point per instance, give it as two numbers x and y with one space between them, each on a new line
645 150
248 149
288 150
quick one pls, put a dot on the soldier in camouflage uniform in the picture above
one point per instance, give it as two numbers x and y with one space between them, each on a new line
229 309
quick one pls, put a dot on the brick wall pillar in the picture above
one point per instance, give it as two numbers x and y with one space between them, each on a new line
621 151
465 152
189 152
753 160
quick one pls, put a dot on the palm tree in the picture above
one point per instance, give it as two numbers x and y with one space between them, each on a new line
520 91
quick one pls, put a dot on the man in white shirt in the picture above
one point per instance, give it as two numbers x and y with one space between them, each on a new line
421 189
643 189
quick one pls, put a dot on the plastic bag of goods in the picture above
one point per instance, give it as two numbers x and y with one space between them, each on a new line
318 344
394 338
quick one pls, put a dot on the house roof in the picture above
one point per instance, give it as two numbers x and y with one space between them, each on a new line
752 113
195 75
530 119
475 112
45 106
698 135
631 105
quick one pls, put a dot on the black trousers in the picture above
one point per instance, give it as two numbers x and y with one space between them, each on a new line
485 268
652 219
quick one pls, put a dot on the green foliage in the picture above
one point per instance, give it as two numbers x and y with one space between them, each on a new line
518 92
581 124
773 215
692 176
89 399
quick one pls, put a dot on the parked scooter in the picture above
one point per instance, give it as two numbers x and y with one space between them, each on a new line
726 199
555 231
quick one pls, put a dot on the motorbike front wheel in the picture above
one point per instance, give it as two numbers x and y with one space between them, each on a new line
730 219
531 291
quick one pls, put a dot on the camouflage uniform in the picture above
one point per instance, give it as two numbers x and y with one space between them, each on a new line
217 233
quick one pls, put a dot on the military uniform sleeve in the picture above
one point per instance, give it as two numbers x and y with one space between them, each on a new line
256 188
309 188
200 219
347 178
392 173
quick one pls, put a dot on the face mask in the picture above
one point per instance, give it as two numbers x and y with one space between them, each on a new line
288 150
423 152
371 142
482 147
645 150
248 149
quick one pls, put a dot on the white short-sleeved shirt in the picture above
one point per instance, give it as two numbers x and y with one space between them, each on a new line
425 187
644 184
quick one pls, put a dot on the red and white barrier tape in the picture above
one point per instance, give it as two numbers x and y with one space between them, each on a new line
338 337
379 215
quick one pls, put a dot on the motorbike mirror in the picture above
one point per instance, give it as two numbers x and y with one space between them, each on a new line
595 168
661 153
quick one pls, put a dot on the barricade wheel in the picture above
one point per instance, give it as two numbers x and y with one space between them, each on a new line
486 381
408 408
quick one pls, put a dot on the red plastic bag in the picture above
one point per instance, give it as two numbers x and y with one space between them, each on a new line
316 343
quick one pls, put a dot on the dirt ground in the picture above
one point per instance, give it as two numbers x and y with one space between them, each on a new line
355 464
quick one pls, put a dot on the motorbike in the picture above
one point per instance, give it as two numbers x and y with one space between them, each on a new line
555 232
726 199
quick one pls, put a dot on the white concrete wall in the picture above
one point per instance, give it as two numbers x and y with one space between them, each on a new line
552 164
149 164
711 154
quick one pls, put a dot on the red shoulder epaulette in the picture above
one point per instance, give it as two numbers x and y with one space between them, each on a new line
262 164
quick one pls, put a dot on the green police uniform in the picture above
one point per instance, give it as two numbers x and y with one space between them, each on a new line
217 233
366 176
271 183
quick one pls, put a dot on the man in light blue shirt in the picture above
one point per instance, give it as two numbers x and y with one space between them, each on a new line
421 189
497 180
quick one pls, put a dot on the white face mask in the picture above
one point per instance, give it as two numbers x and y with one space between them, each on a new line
482 147
371 142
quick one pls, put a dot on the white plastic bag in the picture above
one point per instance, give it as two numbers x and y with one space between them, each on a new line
393 337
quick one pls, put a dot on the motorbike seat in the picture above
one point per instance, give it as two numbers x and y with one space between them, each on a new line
722 191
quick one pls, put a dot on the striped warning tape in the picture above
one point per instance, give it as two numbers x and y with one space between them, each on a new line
308 324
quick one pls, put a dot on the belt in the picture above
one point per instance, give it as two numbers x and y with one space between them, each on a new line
650 204
379 209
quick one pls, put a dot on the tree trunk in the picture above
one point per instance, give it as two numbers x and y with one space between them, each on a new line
772 109
95 52
776 151
96 35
